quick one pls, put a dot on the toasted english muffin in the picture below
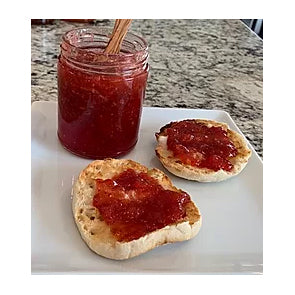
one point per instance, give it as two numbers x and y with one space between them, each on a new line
180 169
97 233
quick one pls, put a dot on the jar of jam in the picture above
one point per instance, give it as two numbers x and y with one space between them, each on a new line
100 95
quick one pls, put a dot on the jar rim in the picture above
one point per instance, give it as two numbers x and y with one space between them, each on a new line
83 48
106 32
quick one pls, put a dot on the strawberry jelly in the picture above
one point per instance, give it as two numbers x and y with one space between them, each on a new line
100 96
195 144
134 204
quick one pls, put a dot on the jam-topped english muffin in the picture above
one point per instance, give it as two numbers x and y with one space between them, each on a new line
201 150
123 209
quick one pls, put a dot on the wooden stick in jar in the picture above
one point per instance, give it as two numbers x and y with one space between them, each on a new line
116 26
119 32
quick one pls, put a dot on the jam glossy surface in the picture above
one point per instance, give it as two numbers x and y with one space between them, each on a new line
98 115
134 204
196 144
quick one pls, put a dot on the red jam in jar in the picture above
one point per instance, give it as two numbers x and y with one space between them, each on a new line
134 204
100 96
196 144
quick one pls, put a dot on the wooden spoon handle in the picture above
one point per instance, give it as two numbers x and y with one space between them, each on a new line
119 32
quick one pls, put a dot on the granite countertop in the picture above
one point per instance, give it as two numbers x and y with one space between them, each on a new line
207 64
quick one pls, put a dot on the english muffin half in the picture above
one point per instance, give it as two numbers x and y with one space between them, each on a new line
97 229
178 163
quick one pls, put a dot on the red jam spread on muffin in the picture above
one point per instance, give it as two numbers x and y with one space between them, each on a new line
196 144
134 204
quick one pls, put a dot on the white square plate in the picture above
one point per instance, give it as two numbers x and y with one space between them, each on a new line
230 240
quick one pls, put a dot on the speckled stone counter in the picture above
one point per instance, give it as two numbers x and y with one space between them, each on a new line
207 64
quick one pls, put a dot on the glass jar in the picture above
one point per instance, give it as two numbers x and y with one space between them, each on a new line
100 95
